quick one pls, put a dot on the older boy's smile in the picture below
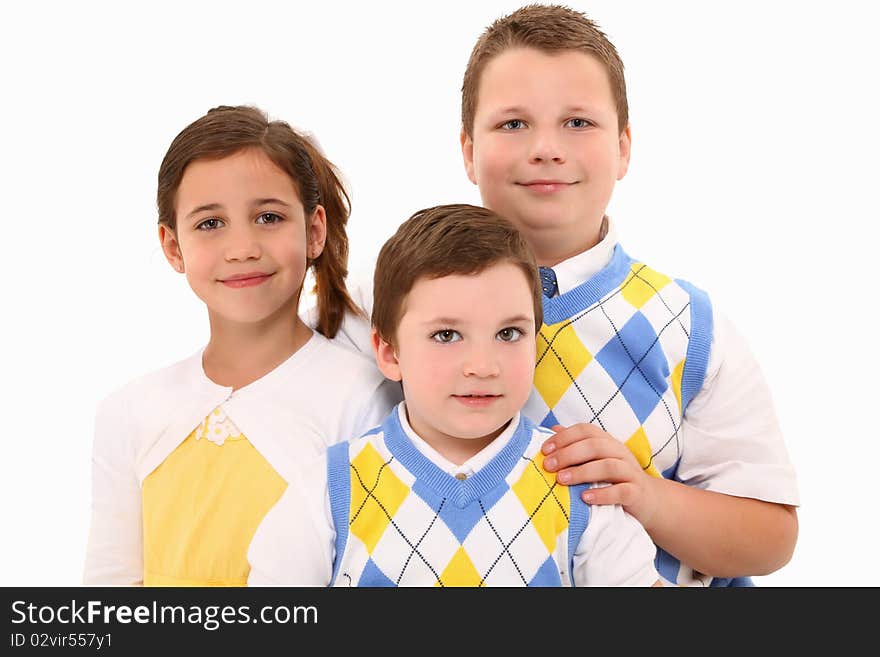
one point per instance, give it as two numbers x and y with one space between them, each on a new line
546 186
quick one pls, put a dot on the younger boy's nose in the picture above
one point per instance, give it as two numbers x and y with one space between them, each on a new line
481 363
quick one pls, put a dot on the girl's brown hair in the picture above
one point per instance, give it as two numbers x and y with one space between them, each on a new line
226 130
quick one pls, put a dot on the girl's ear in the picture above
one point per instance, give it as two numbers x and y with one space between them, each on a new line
386 359
171 248
317 232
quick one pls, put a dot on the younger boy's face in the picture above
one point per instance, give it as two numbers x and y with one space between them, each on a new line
546 150
465 353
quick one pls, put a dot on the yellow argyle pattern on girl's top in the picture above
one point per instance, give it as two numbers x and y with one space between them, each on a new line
429 529
202 506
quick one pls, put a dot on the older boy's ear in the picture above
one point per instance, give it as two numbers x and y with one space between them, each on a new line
171 248
624 146
467 153
386 359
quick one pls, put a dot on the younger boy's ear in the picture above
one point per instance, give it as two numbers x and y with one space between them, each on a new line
171 248
467 153
386 359
624 146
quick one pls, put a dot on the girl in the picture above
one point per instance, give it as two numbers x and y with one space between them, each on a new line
187 460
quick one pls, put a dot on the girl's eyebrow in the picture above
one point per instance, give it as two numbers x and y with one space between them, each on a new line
211 207
208 207
268 201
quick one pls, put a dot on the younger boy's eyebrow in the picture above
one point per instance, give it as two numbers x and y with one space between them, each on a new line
517 319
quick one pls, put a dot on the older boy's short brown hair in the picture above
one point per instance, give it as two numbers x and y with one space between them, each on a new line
441 241
548 28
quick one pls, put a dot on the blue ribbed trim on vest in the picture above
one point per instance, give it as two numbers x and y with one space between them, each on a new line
458 492
699 343
339 485
578 519
566 305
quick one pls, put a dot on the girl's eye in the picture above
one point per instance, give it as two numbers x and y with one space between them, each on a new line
510 334
513 124
269 218
446 336
209 224
578 123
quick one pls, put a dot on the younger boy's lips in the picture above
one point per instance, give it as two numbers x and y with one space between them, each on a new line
477 400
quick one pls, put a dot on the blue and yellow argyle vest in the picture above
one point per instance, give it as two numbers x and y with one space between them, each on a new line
402 521
626 350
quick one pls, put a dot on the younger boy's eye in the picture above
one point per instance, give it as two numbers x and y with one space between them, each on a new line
446 336
509 334
513 124
209 224
578 123
269 218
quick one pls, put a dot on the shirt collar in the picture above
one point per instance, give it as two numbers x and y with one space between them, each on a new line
473 464
582 267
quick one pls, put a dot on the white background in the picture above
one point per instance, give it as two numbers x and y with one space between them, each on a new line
755 159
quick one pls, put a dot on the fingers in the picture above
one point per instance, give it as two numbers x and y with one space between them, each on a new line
584 451
624 494
566 436
609 470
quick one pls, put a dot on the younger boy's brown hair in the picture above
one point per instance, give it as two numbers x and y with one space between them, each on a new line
442 241
550 29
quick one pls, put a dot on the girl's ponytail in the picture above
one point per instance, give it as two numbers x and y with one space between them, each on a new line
331 267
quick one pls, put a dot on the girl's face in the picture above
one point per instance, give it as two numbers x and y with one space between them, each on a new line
241 237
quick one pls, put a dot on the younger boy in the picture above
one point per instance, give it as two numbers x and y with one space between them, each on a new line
450 490
628 357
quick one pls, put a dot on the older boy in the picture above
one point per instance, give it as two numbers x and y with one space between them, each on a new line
628 357
450 490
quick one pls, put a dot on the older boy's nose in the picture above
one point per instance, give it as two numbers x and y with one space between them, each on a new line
546 147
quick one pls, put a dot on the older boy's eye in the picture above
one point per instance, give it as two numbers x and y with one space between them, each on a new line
209 224
509 334
446 336
578 123
513 124
269 218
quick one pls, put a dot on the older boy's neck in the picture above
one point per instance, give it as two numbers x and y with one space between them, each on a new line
551 248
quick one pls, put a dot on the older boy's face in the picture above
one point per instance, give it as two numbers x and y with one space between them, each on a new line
466 355
546 150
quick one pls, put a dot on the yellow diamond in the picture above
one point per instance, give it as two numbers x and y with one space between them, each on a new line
638 444
642 283
460 571
561 359
376 494
546 502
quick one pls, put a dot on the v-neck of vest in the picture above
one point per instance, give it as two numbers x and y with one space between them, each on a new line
589 292
458 492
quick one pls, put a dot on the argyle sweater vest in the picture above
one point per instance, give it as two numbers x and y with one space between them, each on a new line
402 521
626 350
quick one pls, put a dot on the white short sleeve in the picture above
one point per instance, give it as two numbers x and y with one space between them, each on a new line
731 436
